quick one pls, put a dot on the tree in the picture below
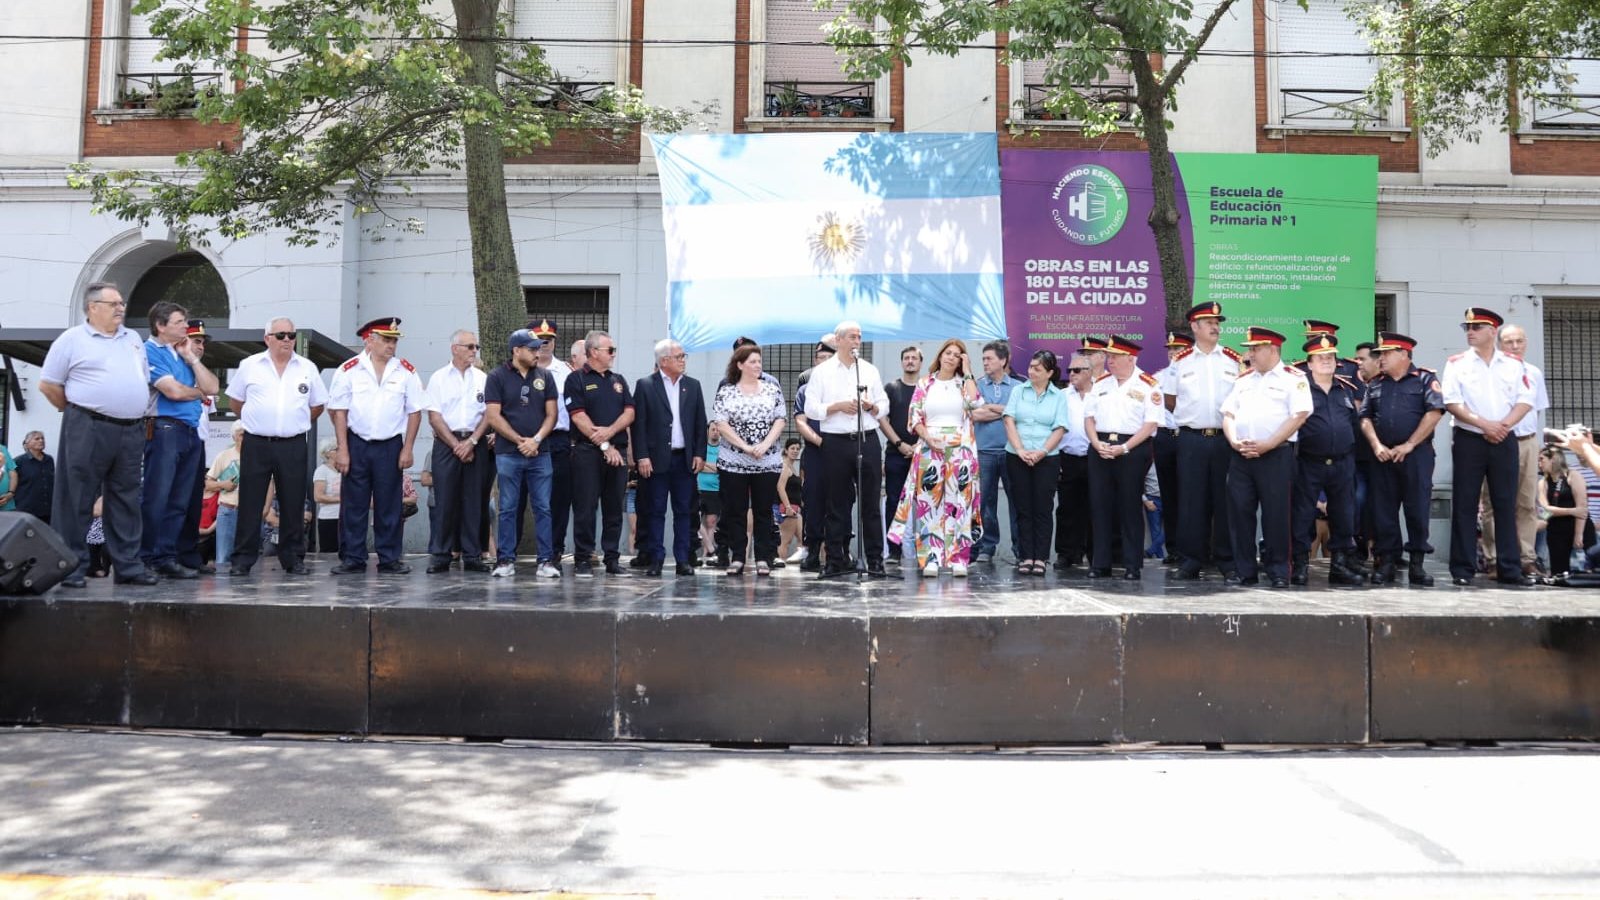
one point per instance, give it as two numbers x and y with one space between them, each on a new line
338 101
1082 40
1462 63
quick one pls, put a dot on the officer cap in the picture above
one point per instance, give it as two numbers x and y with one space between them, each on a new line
197 328
544 329
1094 345
1322 343
1477 315
1257 336
1178 339
1393 340
1315 327
388 326
1211 309
1122 346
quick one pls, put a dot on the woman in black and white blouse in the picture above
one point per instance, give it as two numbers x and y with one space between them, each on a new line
750 413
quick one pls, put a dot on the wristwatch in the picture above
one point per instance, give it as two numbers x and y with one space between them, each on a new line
604 446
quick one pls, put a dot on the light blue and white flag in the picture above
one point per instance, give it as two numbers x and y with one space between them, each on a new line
782 236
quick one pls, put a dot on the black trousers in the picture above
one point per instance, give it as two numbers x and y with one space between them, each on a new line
896 467
1263 484
1407 484
1116 495
1167 477
461 494
752 493
1336 478
839 467
1074 522
813 499
1203 534
1475 459
99 458
283 462
1033 493
594 483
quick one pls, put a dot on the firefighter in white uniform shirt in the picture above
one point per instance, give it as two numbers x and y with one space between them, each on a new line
1121 415
463 464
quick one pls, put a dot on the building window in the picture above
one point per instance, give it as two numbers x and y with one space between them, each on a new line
1317 76
794 73
1028 90
1571 326
1570 103
574 311
132 78
584 42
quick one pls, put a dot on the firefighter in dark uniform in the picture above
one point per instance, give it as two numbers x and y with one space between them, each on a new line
601 408
1167 447
1345 368
1325 465
1404 404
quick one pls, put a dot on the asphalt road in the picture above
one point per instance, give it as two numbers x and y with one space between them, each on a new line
695 822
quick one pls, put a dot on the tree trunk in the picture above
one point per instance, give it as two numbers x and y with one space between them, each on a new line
1165 214
496 281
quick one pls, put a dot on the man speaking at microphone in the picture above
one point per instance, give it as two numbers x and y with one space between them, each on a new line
845 398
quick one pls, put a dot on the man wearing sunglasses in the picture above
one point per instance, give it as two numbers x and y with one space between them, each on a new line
601 407
278 394
461 473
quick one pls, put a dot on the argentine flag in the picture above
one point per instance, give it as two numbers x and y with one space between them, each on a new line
782 236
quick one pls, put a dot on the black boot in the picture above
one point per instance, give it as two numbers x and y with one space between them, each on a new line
1384 570
1356 564
1341 572
1300 573
1417 576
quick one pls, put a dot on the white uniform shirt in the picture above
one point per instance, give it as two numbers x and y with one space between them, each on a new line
378 410
457 396
1261 403
1124 408
1528 425
1075 442
832 383
277 405
1201 381
1489 389
106 373
1168 378
561 370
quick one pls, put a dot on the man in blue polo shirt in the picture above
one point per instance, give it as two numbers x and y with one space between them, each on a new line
174 454
520 406
990 430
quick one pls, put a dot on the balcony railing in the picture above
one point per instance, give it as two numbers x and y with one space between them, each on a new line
1324 106
818 99
1568 111
166 92
1034 95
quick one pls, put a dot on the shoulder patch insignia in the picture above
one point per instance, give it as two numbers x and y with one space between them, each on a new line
1184 355
617 386
1149 379
1426 371
350 364
1346 382
538 384
1103 377
406 364
1456 357
1232 354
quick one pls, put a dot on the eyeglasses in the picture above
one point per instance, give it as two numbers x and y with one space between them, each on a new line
466 346
283 335
1076 369
677 356
120 304
1478 326
610 350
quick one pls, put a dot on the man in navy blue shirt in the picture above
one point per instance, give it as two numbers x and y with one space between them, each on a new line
520 406
174 453
1325 464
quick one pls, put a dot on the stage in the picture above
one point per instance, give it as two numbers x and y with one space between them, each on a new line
991 659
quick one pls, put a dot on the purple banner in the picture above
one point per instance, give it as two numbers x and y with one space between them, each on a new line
1080 258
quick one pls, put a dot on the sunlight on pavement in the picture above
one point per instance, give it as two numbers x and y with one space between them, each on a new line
45 887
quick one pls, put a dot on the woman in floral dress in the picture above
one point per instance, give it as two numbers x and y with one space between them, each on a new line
940 503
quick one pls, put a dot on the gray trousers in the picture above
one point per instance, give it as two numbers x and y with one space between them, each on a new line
96 458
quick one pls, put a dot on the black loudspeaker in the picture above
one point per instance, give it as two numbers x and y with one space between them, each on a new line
33 558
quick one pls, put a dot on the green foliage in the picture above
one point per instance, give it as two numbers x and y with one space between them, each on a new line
1461 63
337 101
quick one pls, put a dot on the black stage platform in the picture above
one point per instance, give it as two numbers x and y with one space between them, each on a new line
992 659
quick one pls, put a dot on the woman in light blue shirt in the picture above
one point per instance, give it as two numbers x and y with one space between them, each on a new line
1036 421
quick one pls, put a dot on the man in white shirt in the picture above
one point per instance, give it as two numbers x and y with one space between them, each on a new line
1121 415
1203 376
845 399
278 394
1514 343
462 469
1487 393
1074 523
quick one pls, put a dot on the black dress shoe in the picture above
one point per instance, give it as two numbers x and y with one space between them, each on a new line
1518 581
1461 580
615 569
144 578
347 569
1279 581
1131 575
206 569
641 561
1186 574
875 567
74 581
1062 565
476 565
435 568
685 569
173 570
238 571
1099 573
1233 579
654 571
394 568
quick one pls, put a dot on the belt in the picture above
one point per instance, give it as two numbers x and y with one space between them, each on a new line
269 437
846 435
176 420
1171 431
1323 460
462 434
1113 437
1526 437
102 417
1203 432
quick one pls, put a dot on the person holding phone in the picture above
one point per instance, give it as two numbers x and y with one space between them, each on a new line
945 463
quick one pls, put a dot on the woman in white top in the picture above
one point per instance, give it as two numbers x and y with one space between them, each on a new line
325 490
941 501
222 479
750 414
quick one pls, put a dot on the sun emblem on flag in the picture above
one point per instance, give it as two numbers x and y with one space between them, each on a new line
836 239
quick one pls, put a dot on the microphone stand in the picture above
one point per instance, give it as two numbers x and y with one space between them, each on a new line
861 572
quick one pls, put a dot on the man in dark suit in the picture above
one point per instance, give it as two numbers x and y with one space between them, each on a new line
669 447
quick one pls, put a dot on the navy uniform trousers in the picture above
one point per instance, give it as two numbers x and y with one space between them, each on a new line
1116 494
1167 478
371 488
1474 458
597 484
1204 461
1262 483
1407 484
1333 476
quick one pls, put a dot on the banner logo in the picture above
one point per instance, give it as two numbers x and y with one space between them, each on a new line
1090 205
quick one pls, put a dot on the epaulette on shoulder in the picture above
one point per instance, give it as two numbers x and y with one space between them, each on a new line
1293 371
1103 377
1184 355
1232 354
1426 371
350 364
1149 379
406 364
1461 355
1346 382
